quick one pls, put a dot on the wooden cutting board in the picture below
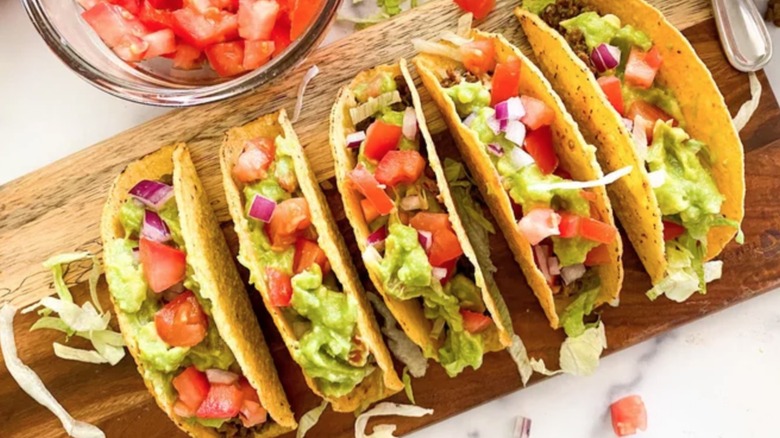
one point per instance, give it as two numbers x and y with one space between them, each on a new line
57 209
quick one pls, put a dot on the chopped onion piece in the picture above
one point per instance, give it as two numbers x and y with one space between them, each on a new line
153 194
496 149
522 428
493 124
215 375
464 24
377 236
657 178
32 384
310 74
371 256
510 109
515 132
366 110
467 121
454 38
748 108
412 202
410 123
439 273
572 273
520 158
385 409
713 270
438 49
262 208
399 343
629 124
540 251
310 419
355 139
639 137
425 238
154 228
554 266
579 185
605 57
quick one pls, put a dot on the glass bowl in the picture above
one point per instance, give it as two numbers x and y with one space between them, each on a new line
155 82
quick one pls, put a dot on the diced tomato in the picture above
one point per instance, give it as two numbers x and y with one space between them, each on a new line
181 323
650 113
161 42
257 156
537 113
628 415
672 230
289 219
369 211
166 4
450 266
279 287
281 34
369 187
200 31
445 247
588 196
153 18
475 322
308 253
257 53
192 387
587 228
430 222
252 414
381 138
539 144
399 167
539 224
256 18
163 266
480 8
642 67
479 57
610 85
222 401
112 23
302 14
506 80
187 57
227 59
599 255
131 6
247 391
131 48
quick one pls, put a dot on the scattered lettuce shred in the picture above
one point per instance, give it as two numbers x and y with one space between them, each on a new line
87 321
402 347
382 410
385 9
310 419
407 379
749 108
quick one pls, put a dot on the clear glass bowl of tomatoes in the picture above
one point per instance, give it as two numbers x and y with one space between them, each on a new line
180 52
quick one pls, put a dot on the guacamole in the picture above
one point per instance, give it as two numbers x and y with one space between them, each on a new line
596 29
383 81
655 95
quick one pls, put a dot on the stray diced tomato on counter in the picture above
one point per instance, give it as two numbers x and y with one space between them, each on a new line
628 415
480 8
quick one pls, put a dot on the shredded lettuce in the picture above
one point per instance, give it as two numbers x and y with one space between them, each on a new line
77 354
385 409
310 419
526 366
749 108
407 379
580 355
366 110
402 347
685 270
574 314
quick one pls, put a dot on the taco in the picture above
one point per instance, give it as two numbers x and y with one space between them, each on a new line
181 306
414 243
299 263
528 159
642 95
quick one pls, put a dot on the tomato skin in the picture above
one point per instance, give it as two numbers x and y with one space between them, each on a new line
291 217
132 6
399 167
302 15
479 57
280 35
628 415
537 113
222 401
445 247
599 255
166 4
112 23
672 230
480 8
154 18
430 222
200 31
256 18
163 265
369 187
369 211
227 59
506 80
187 57
255 159
159 43
247 391
588 228
381 138
279 287
642 67
192 387
308 253
610 85
181 323
539 144
475 322
257 53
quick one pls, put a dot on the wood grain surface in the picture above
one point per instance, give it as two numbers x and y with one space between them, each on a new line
57 209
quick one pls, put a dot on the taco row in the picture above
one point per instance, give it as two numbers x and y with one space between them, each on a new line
418 221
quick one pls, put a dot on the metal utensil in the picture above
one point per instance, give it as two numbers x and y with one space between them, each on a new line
743 34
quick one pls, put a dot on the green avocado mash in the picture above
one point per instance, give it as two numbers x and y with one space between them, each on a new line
536 6
596 29
131 215
387 85
127 278
627 37
469 97
467 293
324 350
155 353
660 97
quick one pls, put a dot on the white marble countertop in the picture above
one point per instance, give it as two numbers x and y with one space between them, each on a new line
717 377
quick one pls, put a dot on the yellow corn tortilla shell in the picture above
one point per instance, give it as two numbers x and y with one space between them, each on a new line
384 381
574 153
706 115
220 284
409 313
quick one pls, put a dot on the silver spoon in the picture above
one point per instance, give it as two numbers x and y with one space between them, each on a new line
743 34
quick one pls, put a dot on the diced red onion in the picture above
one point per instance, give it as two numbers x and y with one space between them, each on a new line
153 194
154 227
554 266
520 158
410 123
425 238
411 202
522 428
262 208
502 124
605 57
377 236
496 149
572 273
541 253
510 109
355 139
467 121
629 124
515 132
439 273
221 376
494 124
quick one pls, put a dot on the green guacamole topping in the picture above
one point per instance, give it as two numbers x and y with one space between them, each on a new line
387 84
596 29
324 350
627 37
536 6
469 97
126 277
660 97
572 317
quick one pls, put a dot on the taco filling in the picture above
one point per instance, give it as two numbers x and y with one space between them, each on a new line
296 271
626 62
153 284
412 246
